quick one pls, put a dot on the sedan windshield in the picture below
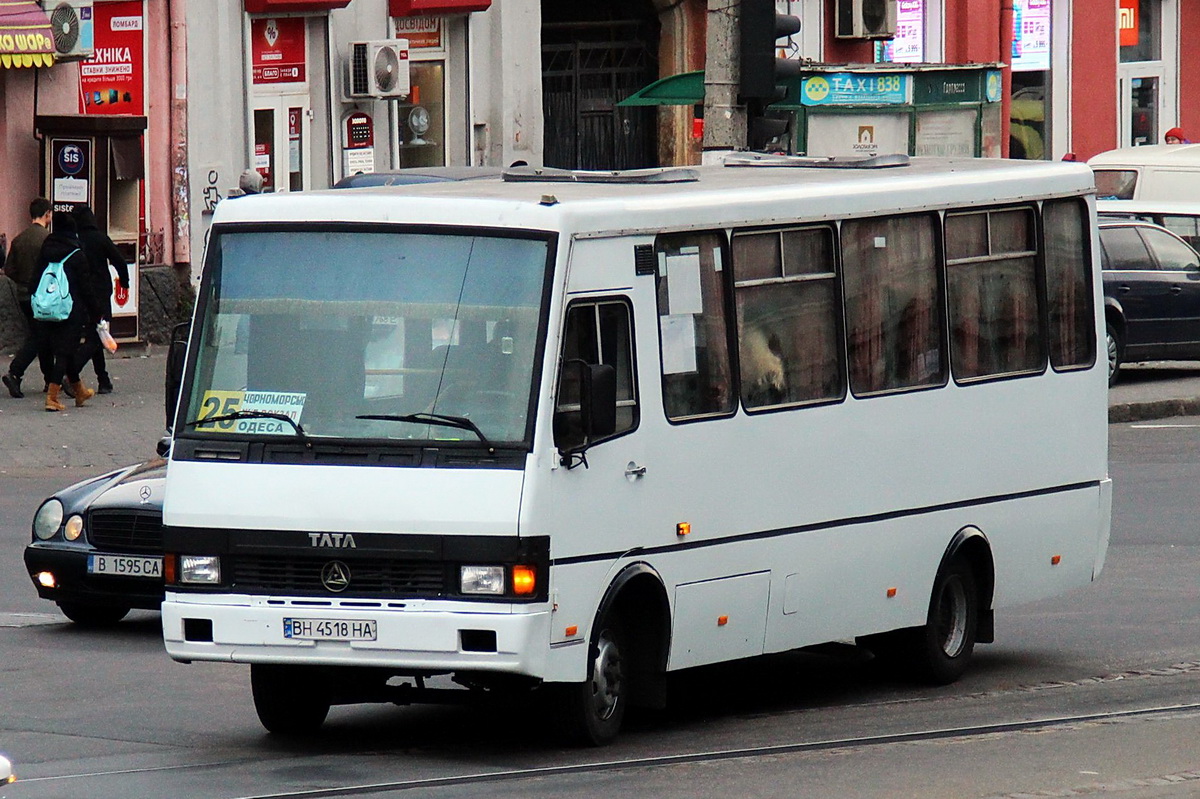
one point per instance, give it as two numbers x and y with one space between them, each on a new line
368 335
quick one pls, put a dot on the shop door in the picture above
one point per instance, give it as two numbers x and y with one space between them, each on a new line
1141 100
281 142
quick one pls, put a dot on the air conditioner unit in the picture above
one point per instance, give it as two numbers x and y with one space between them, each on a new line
866 19
72 26
378 69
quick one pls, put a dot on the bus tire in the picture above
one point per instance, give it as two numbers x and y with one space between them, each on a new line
86 615
288 700
591 711
940 652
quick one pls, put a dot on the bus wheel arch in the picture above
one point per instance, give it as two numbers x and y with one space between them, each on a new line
959 614
626 658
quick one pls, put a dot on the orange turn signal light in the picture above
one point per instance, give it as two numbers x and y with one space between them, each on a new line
572 631
683 528
722 621
1055 560
524 580
891 592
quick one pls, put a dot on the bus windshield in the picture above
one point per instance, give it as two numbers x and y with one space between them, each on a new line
352 334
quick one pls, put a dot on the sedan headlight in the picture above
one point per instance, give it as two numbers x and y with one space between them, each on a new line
199 569
482 579
73 528
48 519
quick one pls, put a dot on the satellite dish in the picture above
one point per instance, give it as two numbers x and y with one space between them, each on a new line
387 69
64 22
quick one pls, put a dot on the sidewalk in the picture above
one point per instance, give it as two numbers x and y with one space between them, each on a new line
122 428
112 430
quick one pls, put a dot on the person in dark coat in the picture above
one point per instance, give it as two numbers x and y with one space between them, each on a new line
64 337
22 259
100 252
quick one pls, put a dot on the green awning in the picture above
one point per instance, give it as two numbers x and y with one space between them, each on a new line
684 89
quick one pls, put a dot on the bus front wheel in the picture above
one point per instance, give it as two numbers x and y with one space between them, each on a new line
289 700
591 712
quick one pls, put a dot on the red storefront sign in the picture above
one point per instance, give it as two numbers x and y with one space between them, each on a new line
1128 23
420 31
113 80
277 50
409 8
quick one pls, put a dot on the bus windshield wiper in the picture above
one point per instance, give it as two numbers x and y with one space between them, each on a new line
461 422
229 417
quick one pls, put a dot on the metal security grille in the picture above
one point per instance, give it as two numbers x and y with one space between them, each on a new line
587 68
378 577
126 531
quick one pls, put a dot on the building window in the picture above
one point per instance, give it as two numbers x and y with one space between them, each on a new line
421 117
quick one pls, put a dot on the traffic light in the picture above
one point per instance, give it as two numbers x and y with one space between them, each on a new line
761 71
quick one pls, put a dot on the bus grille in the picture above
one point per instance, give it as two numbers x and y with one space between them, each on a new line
381 577
126 531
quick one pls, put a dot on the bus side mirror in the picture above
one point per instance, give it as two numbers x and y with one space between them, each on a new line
599 401
176 356
596 414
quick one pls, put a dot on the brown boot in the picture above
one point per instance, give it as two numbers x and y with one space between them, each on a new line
82 393
52 403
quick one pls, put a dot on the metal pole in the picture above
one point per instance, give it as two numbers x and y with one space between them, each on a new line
724 119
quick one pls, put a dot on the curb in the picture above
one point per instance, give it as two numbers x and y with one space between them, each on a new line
1153 409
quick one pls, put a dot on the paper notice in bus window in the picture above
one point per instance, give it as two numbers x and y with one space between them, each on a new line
683 282
678 343
224 403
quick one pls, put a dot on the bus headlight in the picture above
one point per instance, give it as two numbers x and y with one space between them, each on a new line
482 579
199 569
48 519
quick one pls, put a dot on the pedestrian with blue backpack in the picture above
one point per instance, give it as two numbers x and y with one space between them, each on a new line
63 300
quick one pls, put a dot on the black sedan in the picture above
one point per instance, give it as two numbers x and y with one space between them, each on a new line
1151 294
97 545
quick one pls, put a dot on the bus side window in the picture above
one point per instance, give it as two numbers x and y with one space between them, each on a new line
893 313
693 332
788 325
991 268
1072 318
596 333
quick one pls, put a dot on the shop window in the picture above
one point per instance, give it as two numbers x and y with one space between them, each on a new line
893 321
1140 30
789 340
697 377
421 118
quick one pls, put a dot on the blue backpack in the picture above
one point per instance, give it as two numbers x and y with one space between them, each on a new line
52 299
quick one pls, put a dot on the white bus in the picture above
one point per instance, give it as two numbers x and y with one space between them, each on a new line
567 433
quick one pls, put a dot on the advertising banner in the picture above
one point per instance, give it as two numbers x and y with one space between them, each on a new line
277 50
113 80
70 173
844 88
1031 35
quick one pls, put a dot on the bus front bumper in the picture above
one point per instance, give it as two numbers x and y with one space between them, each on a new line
426 638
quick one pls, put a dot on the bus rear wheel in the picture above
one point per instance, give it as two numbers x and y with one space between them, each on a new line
591 712
940 651
289 700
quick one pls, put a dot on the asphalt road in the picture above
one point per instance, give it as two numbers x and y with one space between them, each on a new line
1091 694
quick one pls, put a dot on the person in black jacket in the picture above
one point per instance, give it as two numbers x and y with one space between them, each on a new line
64 337
100 252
